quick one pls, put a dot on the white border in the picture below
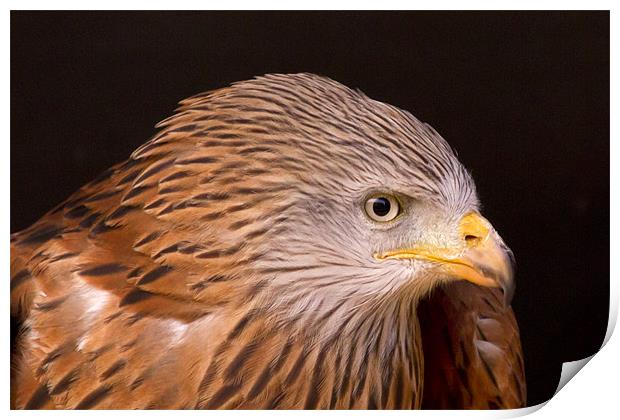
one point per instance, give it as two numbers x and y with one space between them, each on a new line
311 5
594 393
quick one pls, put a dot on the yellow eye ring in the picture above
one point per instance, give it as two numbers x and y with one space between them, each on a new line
382 208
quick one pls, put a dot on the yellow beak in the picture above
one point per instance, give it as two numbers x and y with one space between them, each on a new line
483 258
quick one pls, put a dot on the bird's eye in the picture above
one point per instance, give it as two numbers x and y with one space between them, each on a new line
382 208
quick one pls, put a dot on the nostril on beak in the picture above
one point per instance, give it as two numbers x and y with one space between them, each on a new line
474 229
472 240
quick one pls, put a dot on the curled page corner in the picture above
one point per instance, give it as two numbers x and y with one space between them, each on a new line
569 370
520 412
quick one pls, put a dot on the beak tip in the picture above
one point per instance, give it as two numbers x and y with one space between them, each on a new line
508 285
509 292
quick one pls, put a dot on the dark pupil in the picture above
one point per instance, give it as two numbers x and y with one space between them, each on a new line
381 206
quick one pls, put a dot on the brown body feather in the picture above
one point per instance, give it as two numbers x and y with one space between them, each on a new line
472 350
134 292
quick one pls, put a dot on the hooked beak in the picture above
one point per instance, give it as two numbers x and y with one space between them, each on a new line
483 259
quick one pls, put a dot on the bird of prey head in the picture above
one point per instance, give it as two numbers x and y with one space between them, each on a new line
269 247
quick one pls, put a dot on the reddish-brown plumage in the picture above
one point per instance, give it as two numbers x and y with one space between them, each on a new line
156 285
472 350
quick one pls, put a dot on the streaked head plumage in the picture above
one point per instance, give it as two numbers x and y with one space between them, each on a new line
287 164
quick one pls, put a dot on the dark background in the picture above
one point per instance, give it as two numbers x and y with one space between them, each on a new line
522 96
